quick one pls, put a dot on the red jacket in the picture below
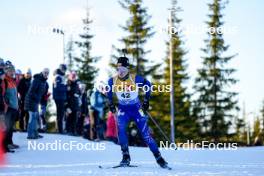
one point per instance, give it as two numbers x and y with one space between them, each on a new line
111 126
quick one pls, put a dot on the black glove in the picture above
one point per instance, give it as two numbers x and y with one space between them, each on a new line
112 108
145 106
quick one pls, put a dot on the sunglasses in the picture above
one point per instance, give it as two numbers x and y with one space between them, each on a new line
121 68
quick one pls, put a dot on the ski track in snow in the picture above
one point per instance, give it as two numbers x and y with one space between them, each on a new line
242 162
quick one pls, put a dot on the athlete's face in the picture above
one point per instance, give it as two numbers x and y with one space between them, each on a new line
122 71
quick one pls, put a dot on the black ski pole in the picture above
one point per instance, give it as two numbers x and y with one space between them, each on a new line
157 125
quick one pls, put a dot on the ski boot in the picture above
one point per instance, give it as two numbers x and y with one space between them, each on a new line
126 159
161 162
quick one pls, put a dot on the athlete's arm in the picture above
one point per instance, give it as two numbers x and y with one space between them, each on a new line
109 90
110 95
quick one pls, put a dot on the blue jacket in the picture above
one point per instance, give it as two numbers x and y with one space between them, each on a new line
59 86
98 103
97 100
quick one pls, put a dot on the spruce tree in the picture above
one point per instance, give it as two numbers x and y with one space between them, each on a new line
215 102
86 69
70 54
138 33
241 135
262 117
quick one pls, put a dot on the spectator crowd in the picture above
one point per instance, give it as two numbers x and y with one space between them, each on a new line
24 99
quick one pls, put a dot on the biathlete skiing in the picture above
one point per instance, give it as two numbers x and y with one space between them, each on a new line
130 108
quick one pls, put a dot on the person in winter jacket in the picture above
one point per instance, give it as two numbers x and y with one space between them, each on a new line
19 76
73 103
60 95
2 151
43 109
2 92
11 100
98 100
92 131
3 147
22 89
111 130
84 109
86 128
36 91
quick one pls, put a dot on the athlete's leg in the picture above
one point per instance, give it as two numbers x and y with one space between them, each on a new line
122 121
142 125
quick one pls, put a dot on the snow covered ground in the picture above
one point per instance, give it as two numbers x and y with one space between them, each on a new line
243 161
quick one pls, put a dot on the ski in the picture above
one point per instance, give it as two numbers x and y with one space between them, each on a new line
123 166
166 167
117 166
